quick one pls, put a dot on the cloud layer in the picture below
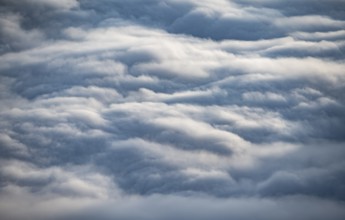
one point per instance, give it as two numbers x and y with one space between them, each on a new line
172 109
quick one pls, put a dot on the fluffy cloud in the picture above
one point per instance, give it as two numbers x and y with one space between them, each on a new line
124 109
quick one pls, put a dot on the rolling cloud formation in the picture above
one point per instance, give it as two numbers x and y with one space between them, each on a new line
172 109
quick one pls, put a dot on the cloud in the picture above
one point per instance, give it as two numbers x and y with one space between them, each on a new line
172 109
14 37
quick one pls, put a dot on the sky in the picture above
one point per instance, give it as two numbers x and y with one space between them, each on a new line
172 109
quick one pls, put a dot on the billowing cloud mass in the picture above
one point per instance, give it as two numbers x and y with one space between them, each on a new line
172 109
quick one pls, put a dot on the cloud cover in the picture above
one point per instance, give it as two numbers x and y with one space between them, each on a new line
172 109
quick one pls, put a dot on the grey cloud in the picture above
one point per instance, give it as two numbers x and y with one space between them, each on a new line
200 24
318 36
333 8
14 37
158 207
121 109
